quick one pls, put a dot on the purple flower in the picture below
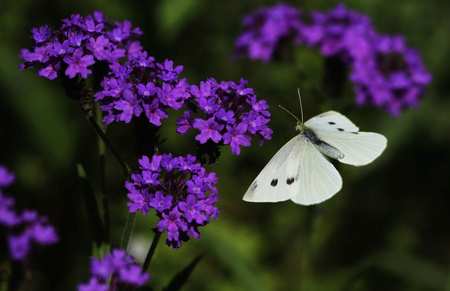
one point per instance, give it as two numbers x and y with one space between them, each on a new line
114 270
185 123
128 107
99 47
78 64
385 72
340 32
42 34
35 230
79 42
168 73
19 246
266 29
93 285
178 190
161 202
394 78
235 137
209 129
44 234
140 200
230 111
173 223
6 177
149 92
193 209
133 275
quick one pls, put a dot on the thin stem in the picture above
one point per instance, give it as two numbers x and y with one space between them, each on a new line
126 235
306 276
105 139
151 251
104 199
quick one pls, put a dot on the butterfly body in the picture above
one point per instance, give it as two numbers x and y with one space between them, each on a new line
299 170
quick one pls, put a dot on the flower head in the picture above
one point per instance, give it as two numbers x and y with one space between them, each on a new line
265 30
79 43
34 229
385 72
339 32
394 77
180 191
141 86
227 114
115 268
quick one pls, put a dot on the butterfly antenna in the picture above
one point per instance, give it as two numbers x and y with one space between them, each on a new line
290 113
300 99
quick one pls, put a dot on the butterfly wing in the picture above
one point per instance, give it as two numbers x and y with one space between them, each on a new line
267 186
359 148
299 172
318 179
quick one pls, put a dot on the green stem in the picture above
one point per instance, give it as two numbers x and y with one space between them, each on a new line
126 235
104 199
305 278
151 251
107 142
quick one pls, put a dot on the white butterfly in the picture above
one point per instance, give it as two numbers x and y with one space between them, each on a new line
300 172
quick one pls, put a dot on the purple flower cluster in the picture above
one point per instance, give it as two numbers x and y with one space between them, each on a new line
340 32
25 229
230 113
78 44
142 86
394 77
115 268
385 72
265 29
180 191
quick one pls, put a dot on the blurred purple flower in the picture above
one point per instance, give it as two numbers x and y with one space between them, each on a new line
114 269
24 230
393 79
265 29
384 71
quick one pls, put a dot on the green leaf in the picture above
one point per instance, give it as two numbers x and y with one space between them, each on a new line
181 278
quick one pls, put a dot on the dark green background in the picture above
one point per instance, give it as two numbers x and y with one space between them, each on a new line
387 229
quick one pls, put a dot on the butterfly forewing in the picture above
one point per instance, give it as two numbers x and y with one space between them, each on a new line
271 185
359 148
331 120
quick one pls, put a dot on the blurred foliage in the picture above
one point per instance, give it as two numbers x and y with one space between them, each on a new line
387 229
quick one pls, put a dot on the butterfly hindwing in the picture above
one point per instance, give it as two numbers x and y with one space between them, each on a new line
319 180
299 172
359 148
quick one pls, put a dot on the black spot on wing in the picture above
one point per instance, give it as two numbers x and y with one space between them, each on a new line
340 129
355 132
253 186
289 181
274 182
331 122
